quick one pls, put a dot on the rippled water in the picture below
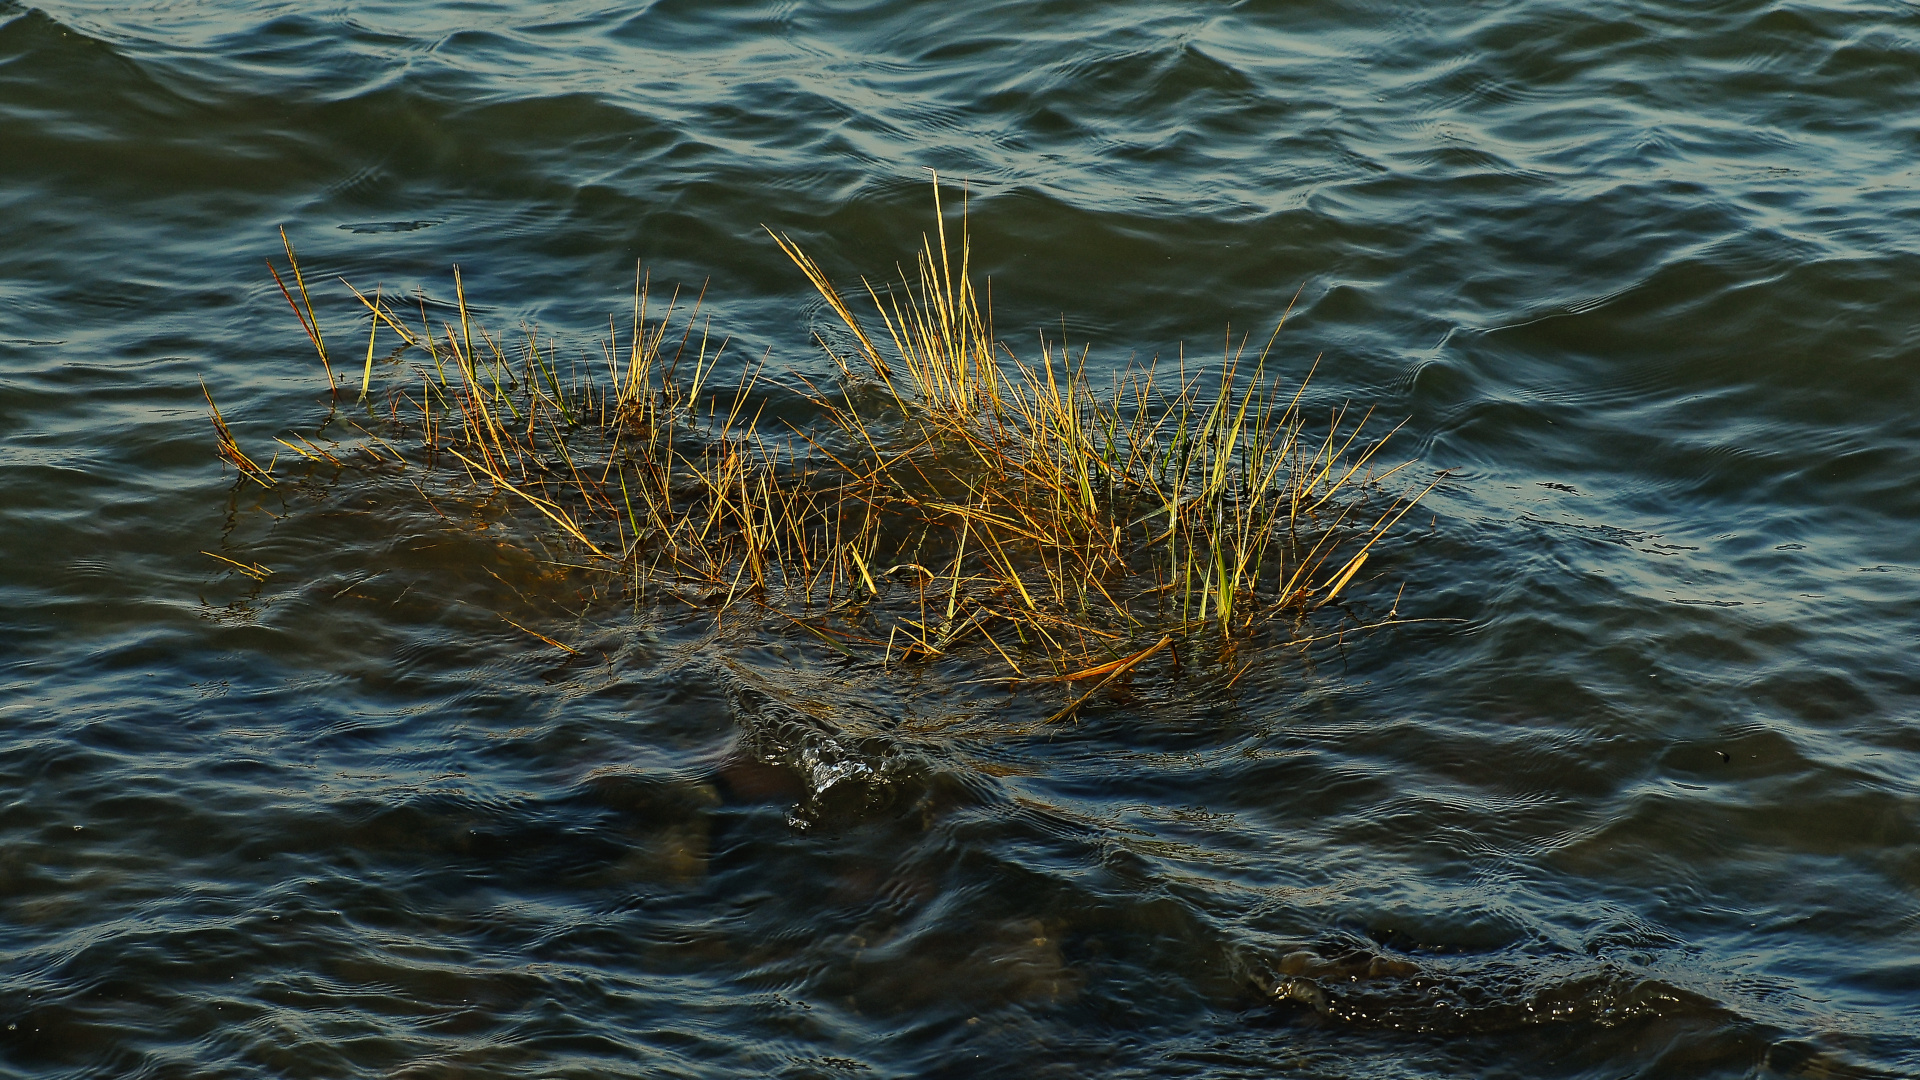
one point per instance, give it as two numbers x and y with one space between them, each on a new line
1645 274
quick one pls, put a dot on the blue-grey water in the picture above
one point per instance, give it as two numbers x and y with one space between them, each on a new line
1646 275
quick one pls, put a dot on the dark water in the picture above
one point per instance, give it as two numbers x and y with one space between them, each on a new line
1645 273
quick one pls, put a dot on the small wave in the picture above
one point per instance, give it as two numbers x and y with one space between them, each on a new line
367 227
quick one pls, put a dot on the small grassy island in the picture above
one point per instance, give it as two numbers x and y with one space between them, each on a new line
949 498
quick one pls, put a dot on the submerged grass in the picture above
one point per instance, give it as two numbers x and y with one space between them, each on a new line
953 499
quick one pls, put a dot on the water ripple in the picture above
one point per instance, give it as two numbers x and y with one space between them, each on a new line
1640 272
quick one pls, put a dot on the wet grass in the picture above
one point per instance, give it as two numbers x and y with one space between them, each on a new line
951 499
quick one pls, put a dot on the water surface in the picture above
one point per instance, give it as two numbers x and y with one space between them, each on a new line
1643 274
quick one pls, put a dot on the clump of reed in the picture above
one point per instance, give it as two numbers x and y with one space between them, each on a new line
954 499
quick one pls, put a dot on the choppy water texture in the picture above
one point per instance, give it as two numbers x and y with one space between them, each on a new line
1645 273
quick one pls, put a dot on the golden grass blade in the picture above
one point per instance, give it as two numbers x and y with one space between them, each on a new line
1118 670
253 570
313 331
555 514
568 649
228 450
1346 575
373 329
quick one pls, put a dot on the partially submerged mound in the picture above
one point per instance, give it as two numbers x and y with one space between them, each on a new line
949 499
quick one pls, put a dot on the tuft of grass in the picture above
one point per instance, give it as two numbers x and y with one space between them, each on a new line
952 500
